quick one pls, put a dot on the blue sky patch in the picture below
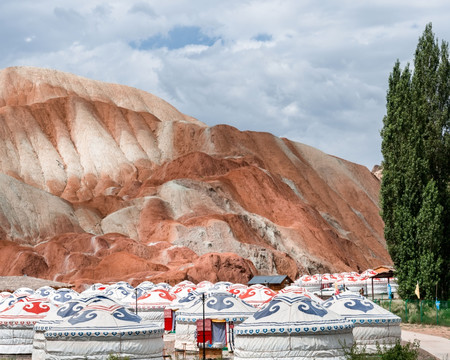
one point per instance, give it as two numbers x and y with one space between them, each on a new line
263 37
176 38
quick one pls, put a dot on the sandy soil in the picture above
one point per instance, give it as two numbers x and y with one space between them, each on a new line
435 330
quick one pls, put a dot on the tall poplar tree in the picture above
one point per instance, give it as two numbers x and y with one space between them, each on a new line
415 189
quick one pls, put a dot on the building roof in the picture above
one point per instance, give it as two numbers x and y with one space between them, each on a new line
262 279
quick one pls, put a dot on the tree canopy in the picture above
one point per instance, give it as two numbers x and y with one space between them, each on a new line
415 189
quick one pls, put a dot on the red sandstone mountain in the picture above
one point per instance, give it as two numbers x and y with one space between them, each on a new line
103 182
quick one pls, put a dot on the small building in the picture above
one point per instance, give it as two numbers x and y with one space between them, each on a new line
274 282
383 269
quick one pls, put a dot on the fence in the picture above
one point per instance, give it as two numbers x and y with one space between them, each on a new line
419 311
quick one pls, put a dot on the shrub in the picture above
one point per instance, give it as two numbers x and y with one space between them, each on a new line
397 352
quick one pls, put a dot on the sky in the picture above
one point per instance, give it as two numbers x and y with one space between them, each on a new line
314 71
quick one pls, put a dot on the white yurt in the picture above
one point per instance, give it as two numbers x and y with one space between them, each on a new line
119 292
63 295
220 286
184 302
151 305
6 302
300 291
98 331
293 326
17 322
257 295
373 324
221 310
182 289
45 292
145 285
22 292
170 312
4 294
94 289
57 316
204 286
237 289
310 282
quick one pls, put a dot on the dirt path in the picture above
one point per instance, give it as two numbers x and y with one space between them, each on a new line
435 330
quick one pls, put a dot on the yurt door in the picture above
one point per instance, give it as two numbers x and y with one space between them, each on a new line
219 331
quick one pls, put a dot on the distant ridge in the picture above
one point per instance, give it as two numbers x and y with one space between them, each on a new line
122 177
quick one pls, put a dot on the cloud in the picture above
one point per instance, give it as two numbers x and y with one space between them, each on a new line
315 72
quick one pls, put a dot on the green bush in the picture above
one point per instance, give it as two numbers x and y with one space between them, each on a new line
410 351
117 357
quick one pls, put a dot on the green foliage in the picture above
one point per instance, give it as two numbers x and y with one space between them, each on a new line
117 357
409 351
415 190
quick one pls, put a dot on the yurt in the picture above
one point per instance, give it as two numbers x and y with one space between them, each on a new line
22 292
6 302
204 286
164 286
220 286
237 289
152 304
310 282
63 295
4 294
94 289
373 324
57 316
145 285
182 289
45 291
119 292
293 326
222 309
98 331
300 291
257 295
17 322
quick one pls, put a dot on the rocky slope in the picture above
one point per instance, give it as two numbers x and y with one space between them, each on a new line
102 182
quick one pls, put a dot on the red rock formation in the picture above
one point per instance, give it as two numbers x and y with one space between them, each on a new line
102 182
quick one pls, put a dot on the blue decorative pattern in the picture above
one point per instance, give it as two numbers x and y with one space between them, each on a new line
220 302
270 309
63 296
357 304
104 333
297 328
44 292
82 317
123 314
188 298
69 309
310 307
119 290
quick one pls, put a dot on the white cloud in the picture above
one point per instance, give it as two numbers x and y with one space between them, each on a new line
315 72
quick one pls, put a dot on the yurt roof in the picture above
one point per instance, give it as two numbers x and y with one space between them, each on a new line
25 313
257 295
70 308
154 299
99 321
218 305
185 301
301 291
359 309
293 314
63 295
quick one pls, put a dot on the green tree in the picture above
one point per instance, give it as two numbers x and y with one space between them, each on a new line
415 190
